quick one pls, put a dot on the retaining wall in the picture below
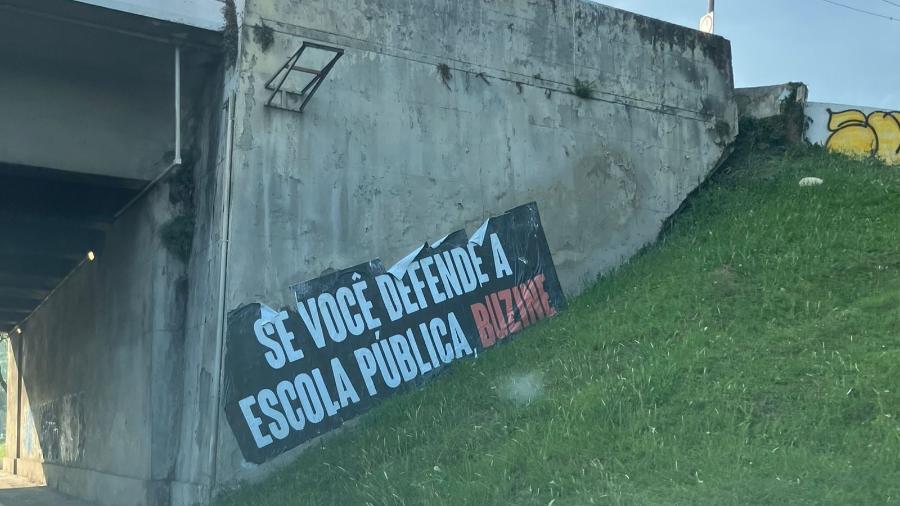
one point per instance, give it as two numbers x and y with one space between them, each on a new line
441 114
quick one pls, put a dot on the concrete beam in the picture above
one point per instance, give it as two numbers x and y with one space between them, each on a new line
103 83
38 264
64 176
205 14
33 294
49 240
95 222
35 281
61 194
7 324
13 314
194 22
16 301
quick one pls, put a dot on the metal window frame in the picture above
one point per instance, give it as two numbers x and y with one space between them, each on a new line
291 65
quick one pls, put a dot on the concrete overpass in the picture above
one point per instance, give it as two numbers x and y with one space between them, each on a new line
194 203
88 121
100 106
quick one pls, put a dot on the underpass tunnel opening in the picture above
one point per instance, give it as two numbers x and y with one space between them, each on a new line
99 111
51 222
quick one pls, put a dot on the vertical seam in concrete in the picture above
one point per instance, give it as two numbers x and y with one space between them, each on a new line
149 487
19 384
574 6
223 277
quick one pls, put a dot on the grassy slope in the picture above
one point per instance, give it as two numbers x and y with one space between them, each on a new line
752 356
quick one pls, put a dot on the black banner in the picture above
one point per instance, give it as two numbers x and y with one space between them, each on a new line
365 333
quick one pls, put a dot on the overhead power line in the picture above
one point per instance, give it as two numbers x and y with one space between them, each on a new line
895 4
863 11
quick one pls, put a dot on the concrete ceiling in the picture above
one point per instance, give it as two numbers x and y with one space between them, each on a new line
88 119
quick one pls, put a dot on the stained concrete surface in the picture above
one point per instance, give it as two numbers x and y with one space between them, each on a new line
386 156
101 360
17 491
394 150
68 91
765 101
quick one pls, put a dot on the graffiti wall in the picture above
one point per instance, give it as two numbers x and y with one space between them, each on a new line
856 131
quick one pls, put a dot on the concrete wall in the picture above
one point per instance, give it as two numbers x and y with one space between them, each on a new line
856 131
102 362
766 101
98 363
111 404
387 155
112 407
121 368
4 367
194 473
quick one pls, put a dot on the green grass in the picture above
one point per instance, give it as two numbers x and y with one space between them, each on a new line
752 356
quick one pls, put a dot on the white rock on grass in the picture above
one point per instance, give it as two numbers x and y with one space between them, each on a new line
811 181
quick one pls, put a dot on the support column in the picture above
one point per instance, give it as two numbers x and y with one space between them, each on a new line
13 403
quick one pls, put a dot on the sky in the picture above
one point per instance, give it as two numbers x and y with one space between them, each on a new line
845 57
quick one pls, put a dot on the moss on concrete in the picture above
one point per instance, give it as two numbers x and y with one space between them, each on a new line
177 234
230 33
264 35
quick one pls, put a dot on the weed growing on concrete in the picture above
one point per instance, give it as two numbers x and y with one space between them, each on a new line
583 89
264 35
181 186
795 120
723 132
444 71
777 132
177 234
723 128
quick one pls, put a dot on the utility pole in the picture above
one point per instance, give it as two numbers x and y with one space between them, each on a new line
707 22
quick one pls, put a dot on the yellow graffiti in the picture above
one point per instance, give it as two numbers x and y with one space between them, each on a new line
854 133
